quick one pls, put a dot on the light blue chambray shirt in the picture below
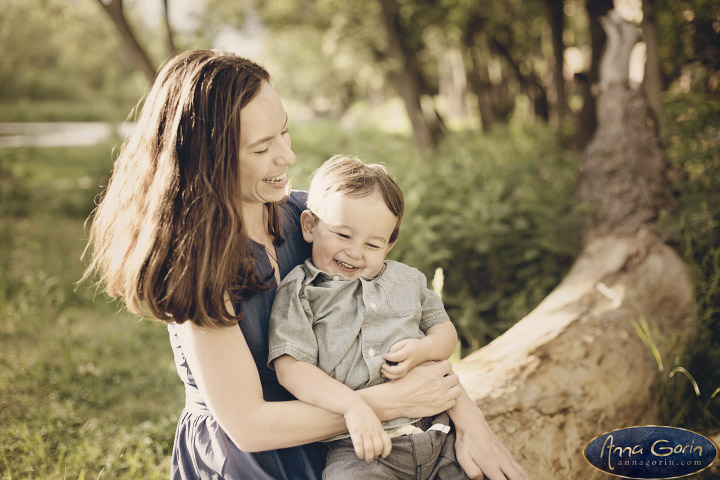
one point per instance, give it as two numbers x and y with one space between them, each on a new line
346 326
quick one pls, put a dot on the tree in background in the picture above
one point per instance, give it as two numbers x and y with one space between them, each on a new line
46 60
116 11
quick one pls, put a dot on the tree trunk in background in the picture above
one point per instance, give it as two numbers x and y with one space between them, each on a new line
170 37
482 88
556 20
623 169
452 80
530 83
114 9
408 80
652 82
588 114
478 76
576 366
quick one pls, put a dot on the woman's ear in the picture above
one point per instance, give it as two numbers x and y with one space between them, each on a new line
307 222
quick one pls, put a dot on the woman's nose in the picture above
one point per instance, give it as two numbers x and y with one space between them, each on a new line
285 155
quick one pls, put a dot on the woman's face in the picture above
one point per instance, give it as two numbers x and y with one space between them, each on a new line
265 152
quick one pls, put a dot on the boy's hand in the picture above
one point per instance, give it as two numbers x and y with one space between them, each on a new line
368 436
404 355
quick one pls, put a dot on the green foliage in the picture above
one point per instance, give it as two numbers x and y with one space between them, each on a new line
692 140
687 34
496 214
63 51
85 391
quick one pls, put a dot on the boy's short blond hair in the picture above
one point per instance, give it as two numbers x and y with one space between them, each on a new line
351 176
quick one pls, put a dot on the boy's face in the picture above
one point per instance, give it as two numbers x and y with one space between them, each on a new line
351 236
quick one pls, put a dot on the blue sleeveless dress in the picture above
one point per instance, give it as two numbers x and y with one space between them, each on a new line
202 450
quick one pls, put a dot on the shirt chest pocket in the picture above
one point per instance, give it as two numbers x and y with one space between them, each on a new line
402 297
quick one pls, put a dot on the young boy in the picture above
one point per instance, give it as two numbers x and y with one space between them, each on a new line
348 317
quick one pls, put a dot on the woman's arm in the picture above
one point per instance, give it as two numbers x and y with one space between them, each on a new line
225 371
310 384
426 390
478 450
223 367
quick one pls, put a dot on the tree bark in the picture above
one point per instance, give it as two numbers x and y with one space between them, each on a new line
530 83
652 81
593 355
575 367
622 175
482 88
556 20
407 78
170 36
477 77
452 81
114 9
588 114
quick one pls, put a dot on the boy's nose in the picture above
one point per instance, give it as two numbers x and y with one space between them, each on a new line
353 251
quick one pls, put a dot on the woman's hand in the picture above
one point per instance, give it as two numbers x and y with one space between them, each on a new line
479 451
368 436
426 390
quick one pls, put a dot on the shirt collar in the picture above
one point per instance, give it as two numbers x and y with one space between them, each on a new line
313 273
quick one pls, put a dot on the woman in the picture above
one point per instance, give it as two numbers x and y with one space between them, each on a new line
196 228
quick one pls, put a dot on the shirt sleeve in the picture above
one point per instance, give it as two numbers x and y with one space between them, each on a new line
291 330
433 311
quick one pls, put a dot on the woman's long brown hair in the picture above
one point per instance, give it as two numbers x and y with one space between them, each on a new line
167 236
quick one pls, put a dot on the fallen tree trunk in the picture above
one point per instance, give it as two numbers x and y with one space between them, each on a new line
575 367
590 357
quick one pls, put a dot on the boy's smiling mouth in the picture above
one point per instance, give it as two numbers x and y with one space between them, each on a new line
345 266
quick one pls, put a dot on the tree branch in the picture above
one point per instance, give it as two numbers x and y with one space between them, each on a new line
114 8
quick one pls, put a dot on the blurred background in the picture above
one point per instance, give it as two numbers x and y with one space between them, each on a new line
480 108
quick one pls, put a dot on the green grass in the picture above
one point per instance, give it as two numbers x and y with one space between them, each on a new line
86 390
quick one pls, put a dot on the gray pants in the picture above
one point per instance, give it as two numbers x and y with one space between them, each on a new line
421 456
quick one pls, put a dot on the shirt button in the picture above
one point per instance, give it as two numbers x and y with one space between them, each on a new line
373 306
336 277
371 352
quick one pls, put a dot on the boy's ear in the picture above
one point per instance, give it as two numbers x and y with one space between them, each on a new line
307 223
389 247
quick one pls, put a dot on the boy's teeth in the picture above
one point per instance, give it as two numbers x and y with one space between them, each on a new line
344 265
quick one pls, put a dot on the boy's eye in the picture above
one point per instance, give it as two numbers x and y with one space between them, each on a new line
375 247
342 235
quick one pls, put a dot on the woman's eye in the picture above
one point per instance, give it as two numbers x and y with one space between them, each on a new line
261 152
285 132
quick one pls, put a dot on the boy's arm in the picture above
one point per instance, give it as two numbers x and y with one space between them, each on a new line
438 344
440 341
311 385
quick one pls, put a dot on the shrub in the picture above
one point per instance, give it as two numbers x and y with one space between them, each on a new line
495 213
692 145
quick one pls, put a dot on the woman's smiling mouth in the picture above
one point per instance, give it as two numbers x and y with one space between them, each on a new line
275 180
